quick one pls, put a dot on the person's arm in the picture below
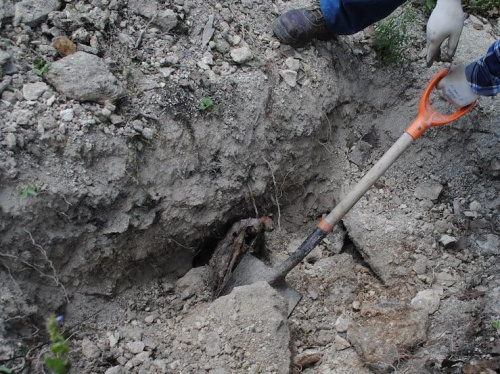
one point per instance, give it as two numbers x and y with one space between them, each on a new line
484 74
346 17
464 84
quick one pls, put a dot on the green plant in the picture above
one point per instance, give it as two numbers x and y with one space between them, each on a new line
41 66
29 191
57 361
5 370
205 103
429 6
391 38
495 324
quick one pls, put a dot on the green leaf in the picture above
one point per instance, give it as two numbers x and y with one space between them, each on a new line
5 370
60 348
205 103
29 191
57 365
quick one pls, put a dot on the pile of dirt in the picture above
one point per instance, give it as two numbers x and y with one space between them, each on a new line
133 134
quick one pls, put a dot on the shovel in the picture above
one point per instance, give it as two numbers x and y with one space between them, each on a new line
250 269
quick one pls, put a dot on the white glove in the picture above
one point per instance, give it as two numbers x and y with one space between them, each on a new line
456 89
446 21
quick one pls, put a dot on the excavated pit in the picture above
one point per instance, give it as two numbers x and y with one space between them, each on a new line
110 219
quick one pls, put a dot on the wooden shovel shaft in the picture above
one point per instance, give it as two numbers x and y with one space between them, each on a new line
366 182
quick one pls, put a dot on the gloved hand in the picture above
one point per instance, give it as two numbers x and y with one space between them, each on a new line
446 21
456 89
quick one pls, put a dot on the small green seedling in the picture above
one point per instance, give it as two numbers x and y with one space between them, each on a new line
391 39
429 6
29 191
57 361
41 66
5 370
495 324
205 103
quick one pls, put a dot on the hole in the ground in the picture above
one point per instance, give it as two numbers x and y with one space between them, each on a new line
207 250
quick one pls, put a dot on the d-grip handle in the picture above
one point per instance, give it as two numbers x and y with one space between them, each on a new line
428 117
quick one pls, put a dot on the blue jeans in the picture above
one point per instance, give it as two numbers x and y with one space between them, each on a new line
346 17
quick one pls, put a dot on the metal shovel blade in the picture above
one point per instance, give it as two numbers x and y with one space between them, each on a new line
250 270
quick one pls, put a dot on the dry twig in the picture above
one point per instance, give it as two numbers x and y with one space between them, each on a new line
275 192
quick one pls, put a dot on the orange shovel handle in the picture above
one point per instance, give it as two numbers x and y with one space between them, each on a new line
427 117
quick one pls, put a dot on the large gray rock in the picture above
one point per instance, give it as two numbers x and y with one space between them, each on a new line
384 239
247 325
85 77
34 12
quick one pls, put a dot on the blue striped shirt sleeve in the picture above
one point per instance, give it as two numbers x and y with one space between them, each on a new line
484 74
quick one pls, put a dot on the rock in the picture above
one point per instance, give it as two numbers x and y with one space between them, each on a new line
121 222
9 97
138 359
447 241
23 117
476 207
113 338
6 10
445 279
208 30
34 12
150 319
356 305
195 280
166 19
307 358
252 317
213 347
360 154
148 133
115 370
11 141
135 347
492 299
385 331
340 343
488 244
146 8
5 83
495 164
166 72
64 46
420 266
427 300
67 115
85 77
32 91
292 63
89 349
342 323
241 55
289 76
4 57
428 191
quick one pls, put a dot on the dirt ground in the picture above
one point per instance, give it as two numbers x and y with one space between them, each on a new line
123 165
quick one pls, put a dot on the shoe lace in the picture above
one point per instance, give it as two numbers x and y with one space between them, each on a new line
316 12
